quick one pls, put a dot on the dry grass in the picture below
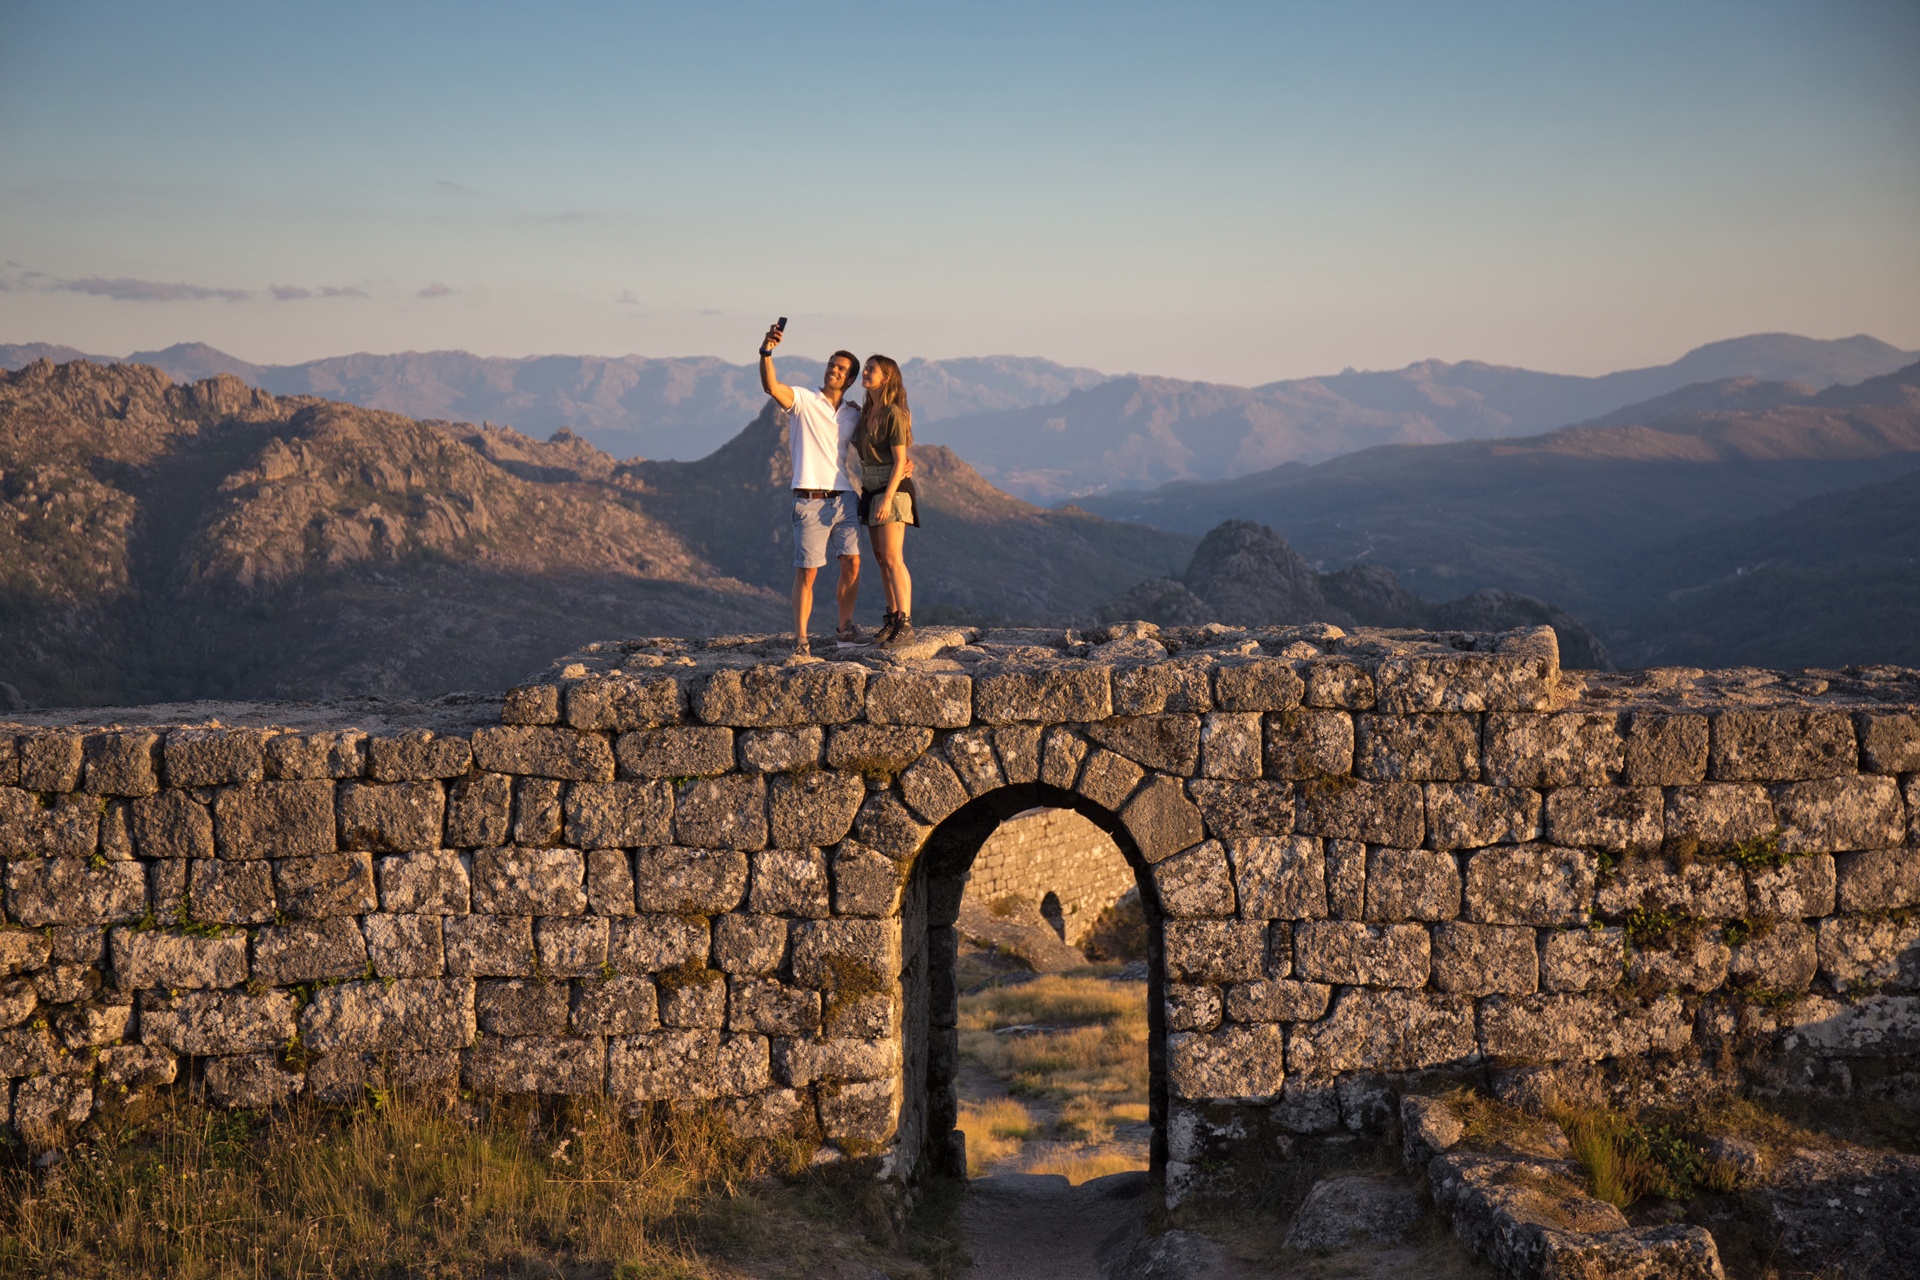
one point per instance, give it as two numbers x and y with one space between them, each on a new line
1084 1166
995 1129
419 1185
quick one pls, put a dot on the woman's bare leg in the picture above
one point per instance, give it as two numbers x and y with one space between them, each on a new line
889 548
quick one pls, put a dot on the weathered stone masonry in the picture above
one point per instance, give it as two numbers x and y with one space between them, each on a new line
674 871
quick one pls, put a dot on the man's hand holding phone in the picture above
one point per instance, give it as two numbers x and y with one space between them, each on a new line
773 337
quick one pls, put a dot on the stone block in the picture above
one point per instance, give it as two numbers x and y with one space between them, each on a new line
1196 884
49 1108
1346 879
1565 749
886 824
749 944
417 754
1245 1063
1018 748
1778 746
664 1066
522 1007
570 946
564 754
1169 743
81 944
1216 950
931 788
1484 959
1832 814
624 702
62 826
18 1000
863 1112
335 884
531 882
1870 880
9 775
728 812
1666 750
389 817
137 1066
1866 952
974 761
1889 740
1716 816
1799 888
1375 1030
1257 684
1695 960
656 943
66 983
404 946
847 956
338 753
1339 951
625 815
1376 812
408 1013
877 748
866 882
1308 744
700 881
1108 779
681 751
1411 884
538 817
935 700
1232 808
1277 1000
765 696
162 958
618 1006
50 760
531 704
780 750
610 882
222 892
1338 682
1161 686
1536 884
1161 820
1416 748
1580 1028
23 952
693 997
479 806
1192 1006
1468 815
274 820
491 946
1057 695
202 1023
171 825
121 763
1230 745
1502 681
43 891
1712 889
815 809
1279 878
789 882
537 1064
308 951
209 757
1781 957
800 1063
1583 959
1062 752
435 884
26 1051
1618 819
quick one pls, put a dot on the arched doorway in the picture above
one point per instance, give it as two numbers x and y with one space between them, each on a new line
927 1134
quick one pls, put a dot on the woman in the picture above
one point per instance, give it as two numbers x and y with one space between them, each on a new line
887 502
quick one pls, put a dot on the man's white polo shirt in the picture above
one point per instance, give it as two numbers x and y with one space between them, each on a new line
819 435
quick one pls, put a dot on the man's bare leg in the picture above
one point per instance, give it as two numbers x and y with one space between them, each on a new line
803 602
847 591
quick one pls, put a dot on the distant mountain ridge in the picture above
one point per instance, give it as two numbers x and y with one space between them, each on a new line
1040 430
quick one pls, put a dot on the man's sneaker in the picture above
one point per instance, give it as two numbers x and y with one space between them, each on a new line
902 633
851 634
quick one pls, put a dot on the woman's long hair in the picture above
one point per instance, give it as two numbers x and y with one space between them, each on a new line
891 391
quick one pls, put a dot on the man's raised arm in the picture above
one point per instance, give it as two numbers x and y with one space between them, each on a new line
782 393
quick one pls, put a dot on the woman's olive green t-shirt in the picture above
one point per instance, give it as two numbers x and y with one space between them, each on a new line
875 440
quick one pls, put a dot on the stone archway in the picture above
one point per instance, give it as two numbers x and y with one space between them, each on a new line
927 1137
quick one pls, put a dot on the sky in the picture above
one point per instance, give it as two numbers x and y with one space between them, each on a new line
1237 192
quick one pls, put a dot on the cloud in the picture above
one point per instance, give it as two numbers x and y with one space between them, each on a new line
289 292
435 290
709 311
626 299
126 289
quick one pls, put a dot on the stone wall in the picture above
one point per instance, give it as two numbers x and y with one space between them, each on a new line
680 871
1057 853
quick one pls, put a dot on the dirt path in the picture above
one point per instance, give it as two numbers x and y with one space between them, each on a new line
1025 1226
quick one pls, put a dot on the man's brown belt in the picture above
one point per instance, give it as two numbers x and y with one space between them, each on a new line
816 494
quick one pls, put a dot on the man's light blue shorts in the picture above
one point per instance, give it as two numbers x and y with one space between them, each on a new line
824 527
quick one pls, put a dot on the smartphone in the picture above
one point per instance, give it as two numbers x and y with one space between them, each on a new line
780 325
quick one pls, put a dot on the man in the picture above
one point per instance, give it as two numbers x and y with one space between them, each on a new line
825 500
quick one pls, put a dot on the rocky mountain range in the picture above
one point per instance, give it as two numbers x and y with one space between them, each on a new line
1033 428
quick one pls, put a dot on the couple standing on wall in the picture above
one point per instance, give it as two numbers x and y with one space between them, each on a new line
850 466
